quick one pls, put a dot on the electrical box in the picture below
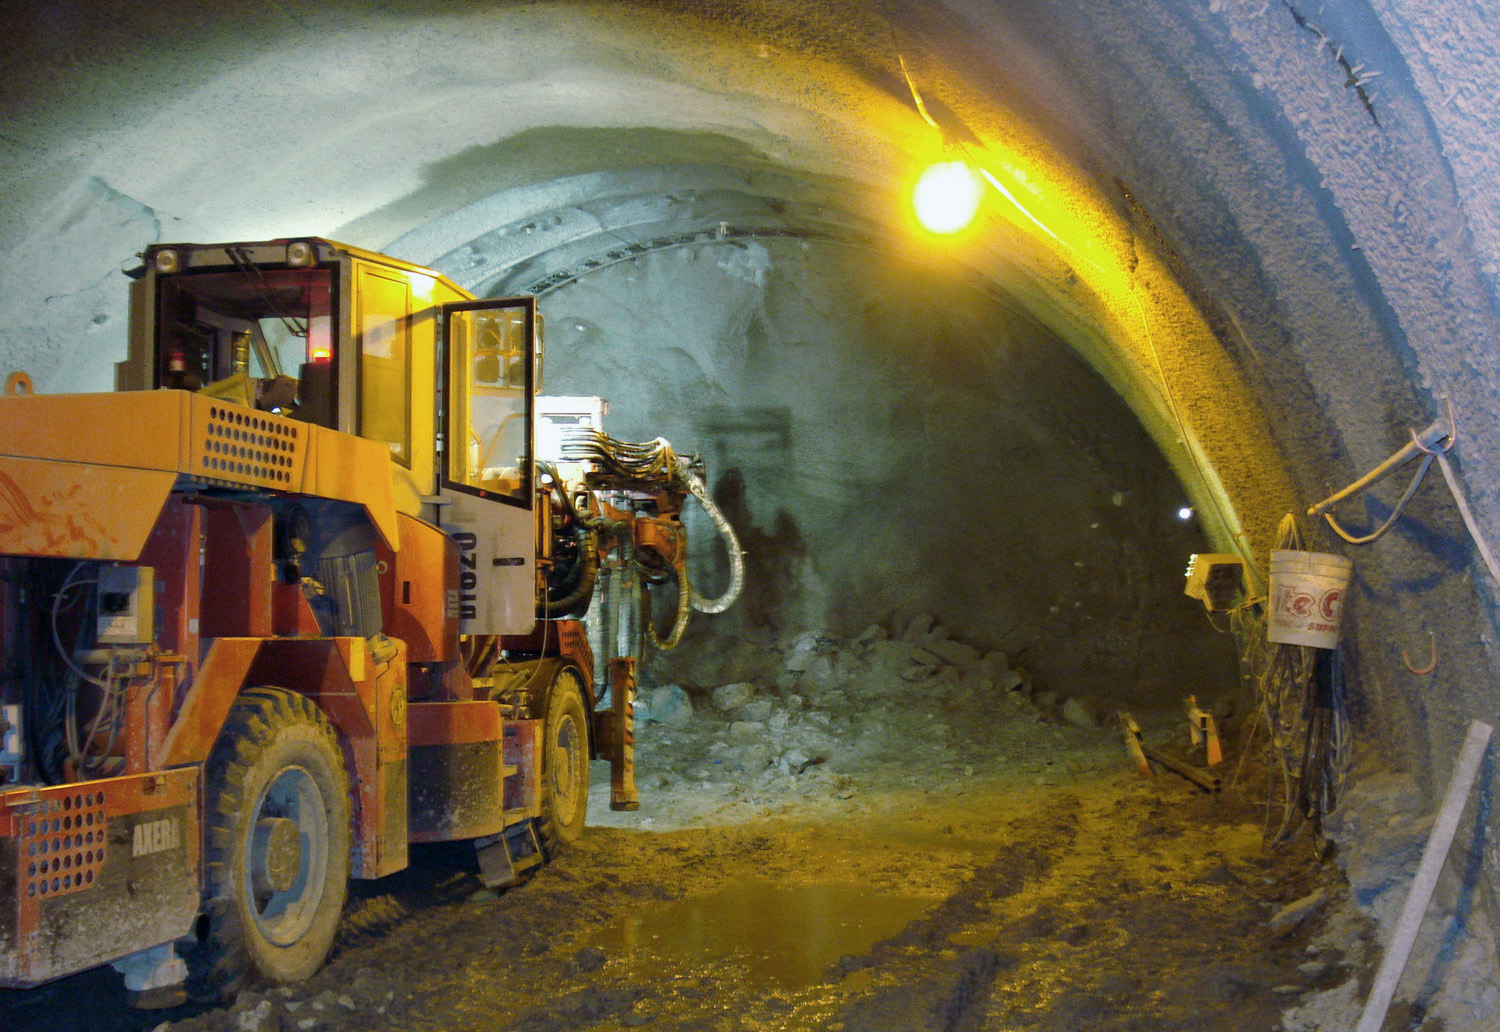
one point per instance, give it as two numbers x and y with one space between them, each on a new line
127 605
1216 579
557 417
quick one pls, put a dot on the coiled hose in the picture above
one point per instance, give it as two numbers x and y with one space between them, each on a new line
731 543
680 621
572 595
572 590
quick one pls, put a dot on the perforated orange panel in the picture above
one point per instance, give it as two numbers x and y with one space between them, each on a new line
63 851
247 447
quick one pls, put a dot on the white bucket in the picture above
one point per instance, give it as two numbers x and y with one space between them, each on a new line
1307 598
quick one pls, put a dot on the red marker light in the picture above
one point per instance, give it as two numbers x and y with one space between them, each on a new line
320 355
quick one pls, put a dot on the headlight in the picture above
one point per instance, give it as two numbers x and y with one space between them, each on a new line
299 252
168 261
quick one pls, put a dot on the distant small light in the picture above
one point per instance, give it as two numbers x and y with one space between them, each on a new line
946 197
1185 513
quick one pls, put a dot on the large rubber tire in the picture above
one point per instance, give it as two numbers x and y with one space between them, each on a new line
276 846
565 765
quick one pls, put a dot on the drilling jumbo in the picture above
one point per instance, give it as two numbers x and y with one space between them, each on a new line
295 596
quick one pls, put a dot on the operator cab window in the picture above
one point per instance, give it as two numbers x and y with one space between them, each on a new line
489 372
247 337
383 325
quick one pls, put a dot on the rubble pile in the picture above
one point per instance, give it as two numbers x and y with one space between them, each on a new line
818 716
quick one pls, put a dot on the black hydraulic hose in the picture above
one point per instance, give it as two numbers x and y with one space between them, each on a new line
46 705
34 692
582 575
574 571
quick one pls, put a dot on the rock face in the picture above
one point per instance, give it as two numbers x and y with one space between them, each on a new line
1380 828
935 564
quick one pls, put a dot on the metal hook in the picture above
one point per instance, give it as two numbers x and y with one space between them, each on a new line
1431 666
1444 443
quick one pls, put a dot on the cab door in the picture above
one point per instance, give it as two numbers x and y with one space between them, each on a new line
486 460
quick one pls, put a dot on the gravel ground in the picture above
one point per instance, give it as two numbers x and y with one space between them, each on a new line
877 841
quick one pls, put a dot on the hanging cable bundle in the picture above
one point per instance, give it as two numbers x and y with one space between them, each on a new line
1303 702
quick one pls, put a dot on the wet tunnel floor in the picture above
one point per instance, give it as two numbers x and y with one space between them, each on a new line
1110 904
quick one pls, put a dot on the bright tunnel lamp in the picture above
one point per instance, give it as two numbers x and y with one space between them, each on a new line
946 197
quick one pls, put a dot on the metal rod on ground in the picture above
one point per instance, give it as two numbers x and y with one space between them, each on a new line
1433 857
1207 782
1140 752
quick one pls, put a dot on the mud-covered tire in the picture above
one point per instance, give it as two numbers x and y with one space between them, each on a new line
565 765
276 846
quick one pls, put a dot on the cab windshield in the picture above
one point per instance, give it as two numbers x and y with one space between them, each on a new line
259 337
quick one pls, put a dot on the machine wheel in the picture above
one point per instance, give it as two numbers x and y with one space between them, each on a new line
276 845
565 765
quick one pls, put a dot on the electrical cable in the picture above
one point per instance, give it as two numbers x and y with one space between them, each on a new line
1379 532
1434 443
1302 697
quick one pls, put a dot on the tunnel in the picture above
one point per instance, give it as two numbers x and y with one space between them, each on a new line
1228 255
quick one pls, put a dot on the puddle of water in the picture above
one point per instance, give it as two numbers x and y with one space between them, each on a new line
782 936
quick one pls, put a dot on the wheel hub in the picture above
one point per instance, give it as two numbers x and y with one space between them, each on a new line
276 856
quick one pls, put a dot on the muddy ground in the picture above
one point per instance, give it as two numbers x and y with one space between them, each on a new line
979 858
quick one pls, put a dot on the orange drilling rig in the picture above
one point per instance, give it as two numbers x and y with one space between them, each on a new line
298 594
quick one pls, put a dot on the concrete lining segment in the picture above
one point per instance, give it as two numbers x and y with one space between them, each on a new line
484 240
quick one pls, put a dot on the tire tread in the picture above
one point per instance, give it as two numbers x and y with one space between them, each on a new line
220 962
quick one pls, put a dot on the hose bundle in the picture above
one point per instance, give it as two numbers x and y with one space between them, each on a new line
731 543
620 465
656 466
570 581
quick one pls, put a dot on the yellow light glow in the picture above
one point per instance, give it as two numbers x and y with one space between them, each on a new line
946 197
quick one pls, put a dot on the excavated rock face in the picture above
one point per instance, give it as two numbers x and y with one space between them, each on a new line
887 442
